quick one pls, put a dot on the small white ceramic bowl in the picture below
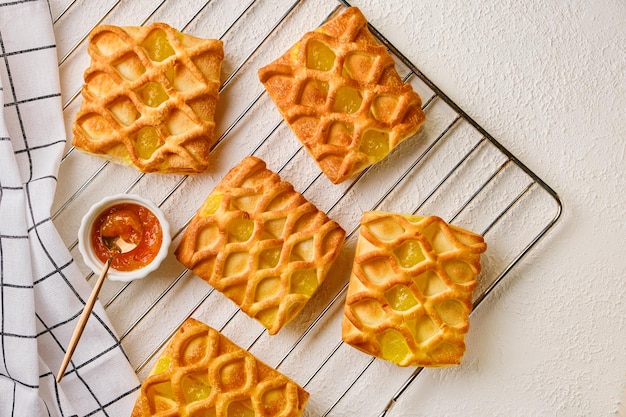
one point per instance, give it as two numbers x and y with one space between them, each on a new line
89 256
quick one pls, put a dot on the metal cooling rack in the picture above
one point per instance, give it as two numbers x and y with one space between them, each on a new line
452 168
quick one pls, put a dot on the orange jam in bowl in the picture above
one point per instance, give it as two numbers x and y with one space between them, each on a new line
137 221
135 224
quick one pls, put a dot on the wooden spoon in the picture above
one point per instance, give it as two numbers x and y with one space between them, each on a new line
116 245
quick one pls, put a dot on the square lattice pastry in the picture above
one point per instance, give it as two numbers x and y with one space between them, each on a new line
149 98
202 373
410 292
261 243
340 93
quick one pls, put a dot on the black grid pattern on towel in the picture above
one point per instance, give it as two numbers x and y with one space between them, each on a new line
41 290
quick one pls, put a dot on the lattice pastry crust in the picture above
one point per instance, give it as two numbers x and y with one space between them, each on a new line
339 91
410 292
261 243
202 373
149 98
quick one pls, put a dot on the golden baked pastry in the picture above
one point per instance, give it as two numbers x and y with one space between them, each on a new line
261 243
410 292
339 91
149 98
202 373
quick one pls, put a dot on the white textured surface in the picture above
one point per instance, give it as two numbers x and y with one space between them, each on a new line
548 82
548 79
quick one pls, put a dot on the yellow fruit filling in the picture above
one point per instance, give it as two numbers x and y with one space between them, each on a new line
240 409
157 46
304 282
240 230
152 94
393 346
269 258
195 387
409 254
147 142
375 144
401 298
211 204
162 365
348 100
319 56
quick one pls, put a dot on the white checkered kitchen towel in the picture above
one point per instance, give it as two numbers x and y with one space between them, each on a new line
42 292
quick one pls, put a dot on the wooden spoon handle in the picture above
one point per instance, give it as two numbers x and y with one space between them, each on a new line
82 321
